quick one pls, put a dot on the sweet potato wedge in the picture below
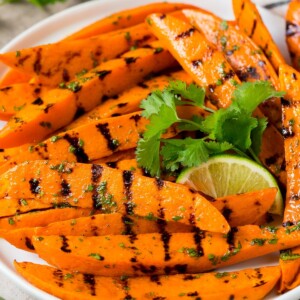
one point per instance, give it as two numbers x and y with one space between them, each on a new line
246 59
60 62
125 18
109 190
14 98
164 253
249 20
129 101
73 286
42 217
197 56
13 76
59 106
292 32
290 82
96 225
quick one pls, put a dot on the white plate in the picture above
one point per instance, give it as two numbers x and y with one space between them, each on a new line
58 26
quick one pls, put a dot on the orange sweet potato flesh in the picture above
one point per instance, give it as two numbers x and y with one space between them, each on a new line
292 32
60 62
10 207
104 189
126 18
13 77
249 20
129 101
59 106
42 218
290 83
244 284
169 253
196 55
289 79
15 97
246 208
96 225
207 66
246 58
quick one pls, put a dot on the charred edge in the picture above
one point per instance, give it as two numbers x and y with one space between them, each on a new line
102 74
294 76
34 186
159 183
128 223
28 243
23 59
145 270
291 29
198 236
78 151
155 278
179 268
226 212
253 28
79 112
271 160
185 34
196 63
58 274
104 130
287 132
136 119
38 101
6 89
65 188
285 103
165 236
162 16
127 182
230 238
192 294
48 106
37 67
65 75
130 60
65 245
143 85
112 164
120 105
96 171
249 72
89 279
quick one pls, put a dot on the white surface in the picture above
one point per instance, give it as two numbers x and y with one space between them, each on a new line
56 27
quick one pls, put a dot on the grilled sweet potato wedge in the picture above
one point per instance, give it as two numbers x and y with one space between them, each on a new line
165 253
74 286
249 20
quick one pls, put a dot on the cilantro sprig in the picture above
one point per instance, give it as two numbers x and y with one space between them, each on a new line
233 128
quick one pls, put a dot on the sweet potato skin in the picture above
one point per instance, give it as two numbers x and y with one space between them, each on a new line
240 284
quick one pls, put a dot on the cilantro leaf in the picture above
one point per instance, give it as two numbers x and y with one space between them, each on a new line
257 134
249 95
147 154
197 120
160 123
192 92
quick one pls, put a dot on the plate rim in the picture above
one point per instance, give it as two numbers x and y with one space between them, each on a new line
17 279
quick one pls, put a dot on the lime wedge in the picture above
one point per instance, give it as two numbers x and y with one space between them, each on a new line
225 175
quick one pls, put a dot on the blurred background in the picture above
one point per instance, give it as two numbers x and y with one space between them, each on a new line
17 16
